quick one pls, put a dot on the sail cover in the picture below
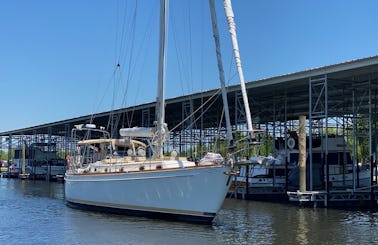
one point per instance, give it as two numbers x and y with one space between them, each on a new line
137 132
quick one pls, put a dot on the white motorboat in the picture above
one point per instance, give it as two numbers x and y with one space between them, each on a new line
341 170
267 172
41 162
263 172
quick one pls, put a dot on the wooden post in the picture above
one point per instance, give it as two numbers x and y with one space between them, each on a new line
302 153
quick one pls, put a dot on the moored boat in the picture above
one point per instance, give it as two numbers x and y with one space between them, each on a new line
121 175
126 181
342 172
265 175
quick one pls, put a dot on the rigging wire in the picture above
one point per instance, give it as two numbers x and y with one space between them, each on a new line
121 59
219 129
127 61
100 101
184 59
217 92
133 59
122 56
142 61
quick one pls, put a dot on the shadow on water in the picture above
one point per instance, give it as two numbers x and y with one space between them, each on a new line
34 212
120 229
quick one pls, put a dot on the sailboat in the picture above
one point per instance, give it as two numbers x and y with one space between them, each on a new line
116 175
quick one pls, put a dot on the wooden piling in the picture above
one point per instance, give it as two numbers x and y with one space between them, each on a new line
302 153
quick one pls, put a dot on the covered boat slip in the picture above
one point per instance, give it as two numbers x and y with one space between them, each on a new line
341 99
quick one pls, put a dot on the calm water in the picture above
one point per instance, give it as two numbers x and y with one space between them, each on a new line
35 213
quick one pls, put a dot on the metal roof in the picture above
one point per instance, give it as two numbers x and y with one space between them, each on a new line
267 98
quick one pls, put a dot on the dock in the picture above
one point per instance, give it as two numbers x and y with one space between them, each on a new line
276 194
362 198
349 198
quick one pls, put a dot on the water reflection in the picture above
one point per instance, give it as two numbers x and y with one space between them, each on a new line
38 188
302 229
35 213
119 229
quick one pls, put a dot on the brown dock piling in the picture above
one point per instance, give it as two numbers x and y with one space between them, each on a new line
302 153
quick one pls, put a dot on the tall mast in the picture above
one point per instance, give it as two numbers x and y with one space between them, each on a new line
232 29
160 113
221 72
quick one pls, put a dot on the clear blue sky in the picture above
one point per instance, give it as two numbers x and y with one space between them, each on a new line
58 58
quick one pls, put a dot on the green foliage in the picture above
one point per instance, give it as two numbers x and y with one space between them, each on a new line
362 142
263 146
362 139
3 155
219 145
63 154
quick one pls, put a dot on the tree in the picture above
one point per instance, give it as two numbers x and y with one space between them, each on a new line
3 155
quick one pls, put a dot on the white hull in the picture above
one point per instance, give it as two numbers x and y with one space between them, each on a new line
57 170
346 180
42 170
267 182
335 179
196 192
262 176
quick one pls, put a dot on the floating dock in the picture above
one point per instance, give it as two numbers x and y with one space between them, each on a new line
360 198
275 194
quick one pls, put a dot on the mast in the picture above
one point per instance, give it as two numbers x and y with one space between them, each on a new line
221 72
232 29
160 110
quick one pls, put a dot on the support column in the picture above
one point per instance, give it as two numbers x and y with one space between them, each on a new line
286 150
9 149
371 160
318 112
49 141
187 125
354 140
146 117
